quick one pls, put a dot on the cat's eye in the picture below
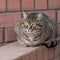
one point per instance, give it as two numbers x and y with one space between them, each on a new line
39 25
26 26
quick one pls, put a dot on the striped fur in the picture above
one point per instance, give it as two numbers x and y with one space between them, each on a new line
36 29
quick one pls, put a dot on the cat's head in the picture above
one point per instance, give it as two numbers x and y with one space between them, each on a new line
32 21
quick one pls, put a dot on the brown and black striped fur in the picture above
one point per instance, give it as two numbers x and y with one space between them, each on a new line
36 29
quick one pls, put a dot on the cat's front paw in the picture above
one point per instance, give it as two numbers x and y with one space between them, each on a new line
52 44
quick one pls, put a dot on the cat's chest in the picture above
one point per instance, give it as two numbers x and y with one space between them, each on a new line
31 36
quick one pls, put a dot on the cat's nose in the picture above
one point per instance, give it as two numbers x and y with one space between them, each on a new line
28 30
30 27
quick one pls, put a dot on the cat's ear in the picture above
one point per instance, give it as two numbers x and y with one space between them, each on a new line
39 15
25 15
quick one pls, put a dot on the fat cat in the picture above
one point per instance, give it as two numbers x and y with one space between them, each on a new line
36 29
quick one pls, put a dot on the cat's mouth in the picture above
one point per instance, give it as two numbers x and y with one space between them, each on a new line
32 37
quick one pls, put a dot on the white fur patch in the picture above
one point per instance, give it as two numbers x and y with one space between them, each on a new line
30 38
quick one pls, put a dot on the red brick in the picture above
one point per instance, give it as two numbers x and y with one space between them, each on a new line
10 34
25 57
58 29
57 58
2 5
15 51
17 59
59 48
40 4
1 35
8 19
58 17
33 55
27 4
52 14
45 53
56 50
54 4
13 5
39 53
51 54
59 51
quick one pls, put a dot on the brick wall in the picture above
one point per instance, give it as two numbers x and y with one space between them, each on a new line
11 10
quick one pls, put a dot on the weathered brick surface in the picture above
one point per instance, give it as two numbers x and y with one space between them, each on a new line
1 35
57 53
40 4
54 4
2 5
27 4
26 57
33 55
27 53
10 34
58 29
45 53
13 5
56 50
51 53
39 53
15 51
50 13
57 58
17 59
58 16
8 19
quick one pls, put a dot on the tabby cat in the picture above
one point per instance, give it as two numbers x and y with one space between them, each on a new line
36 29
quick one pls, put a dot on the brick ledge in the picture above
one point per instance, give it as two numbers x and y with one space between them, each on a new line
14 51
